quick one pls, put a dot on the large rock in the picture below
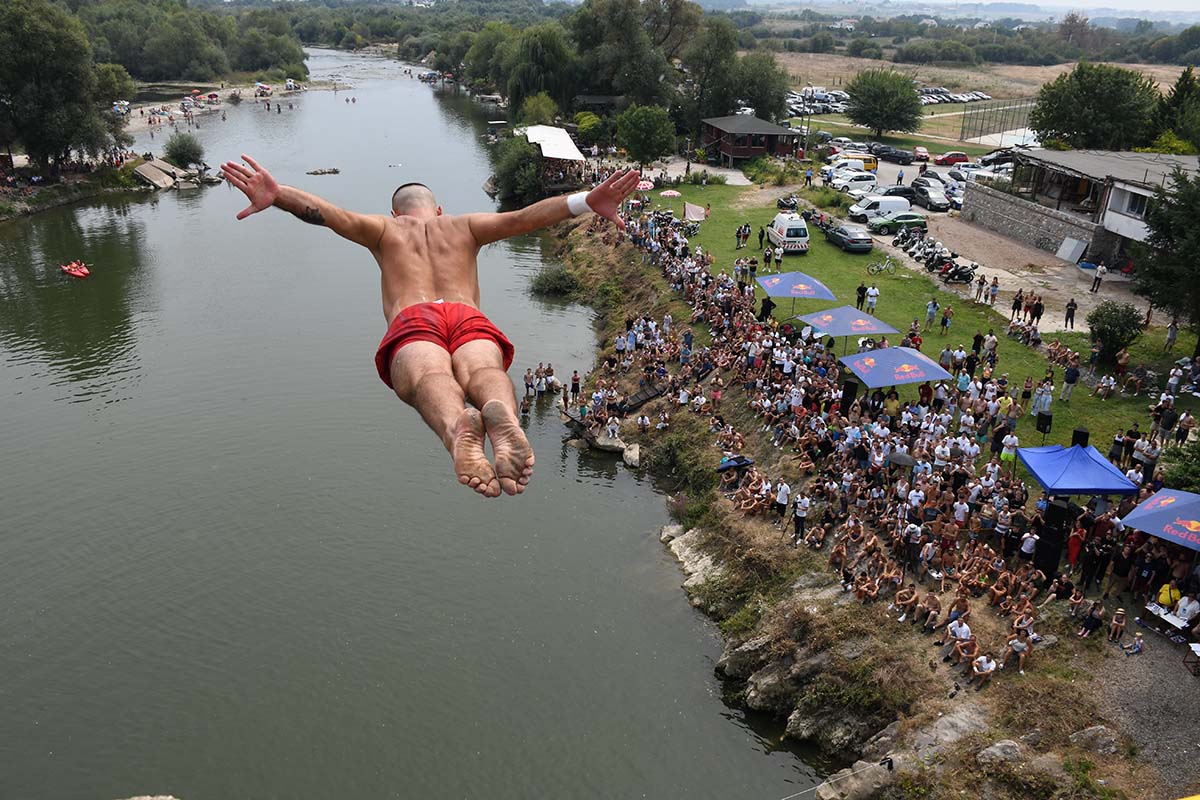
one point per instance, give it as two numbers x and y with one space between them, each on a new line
670 532
632 456
862 780
697 565
1002 752
1098 739
882 743
609 444
947 730
769 689
1033 738
742 660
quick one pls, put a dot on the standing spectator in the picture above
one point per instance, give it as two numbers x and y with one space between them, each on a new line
762 232
1069 321
808 178
861 293
778 257
872 298
947 316
994 291
1017 302
1070 378
1172 335
767 254
931 309
900 177
1101 271
981 285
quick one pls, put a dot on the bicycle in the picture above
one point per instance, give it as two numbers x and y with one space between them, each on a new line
887 265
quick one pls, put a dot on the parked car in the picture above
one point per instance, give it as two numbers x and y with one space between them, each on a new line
872 206
850 238
898 156
951 158
823 136
907 192
920 153
932 198
935 179
840 141
962 172
854 180
886 226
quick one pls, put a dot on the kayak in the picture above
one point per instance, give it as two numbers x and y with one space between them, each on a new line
75 269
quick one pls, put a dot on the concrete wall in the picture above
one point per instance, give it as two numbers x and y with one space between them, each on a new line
1031 223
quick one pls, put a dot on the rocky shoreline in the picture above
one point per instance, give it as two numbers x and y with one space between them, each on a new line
844 676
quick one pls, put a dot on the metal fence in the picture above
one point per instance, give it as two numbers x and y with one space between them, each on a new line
995 116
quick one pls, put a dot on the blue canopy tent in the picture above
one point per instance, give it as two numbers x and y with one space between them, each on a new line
1169 514
894 366
1074 470
846 321
795 285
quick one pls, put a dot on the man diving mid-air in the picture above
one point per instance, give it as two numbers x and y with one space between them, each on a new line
440 351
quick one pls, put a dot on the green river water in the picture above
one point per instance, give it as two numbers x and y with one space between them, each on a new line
233 565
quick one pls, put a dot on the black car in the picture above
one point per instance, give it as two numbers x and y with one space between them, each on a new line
823 136
897 156
877 148
933 182
907 192
850 238
934 198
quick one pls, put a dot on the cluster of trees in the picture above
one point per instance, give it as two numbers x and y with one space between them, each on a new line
54 97
170 40
1104 107
1008 41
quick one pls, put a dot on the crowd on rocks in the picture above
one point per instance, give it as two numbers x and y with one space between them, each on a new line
914 500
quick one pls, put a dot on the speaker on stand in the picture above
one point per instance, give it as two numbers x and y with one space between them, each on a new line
1049 547
1079 436
1044 419
849 394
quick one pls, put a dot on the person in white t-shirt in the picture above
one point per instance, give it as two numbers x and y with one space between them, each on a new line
982 670
872 298
783 495
800 507
1009 453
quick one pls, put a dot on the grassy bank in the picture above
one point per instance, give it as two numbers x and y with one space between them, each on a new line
101 182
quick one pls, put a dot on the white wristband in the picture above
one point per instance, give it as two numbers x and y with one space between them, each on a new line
577 203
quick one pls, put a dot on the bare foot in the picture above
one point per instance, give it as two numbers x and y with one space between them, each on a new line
514 456
470 462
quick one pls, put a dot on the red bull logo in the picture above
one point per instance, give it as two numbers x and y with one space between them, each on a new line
825 318
801 289
866 363
772 281
862 325
909 372
1158 502
1188 524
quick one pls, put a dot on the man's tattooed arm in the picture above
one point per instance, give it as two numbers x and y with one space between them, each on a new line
312 215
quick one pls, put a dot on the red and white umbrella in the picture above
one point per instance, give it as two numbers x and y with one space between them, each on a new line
669 193
645 186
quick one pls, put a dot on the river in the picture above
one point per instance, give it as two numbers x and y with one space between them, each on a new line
232 564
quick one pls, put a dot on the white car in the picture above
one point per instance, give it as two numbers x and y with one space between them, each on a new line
841 141
854 180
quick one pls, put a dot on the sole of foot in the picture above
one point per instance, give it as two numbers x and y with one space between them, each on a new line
470 461
514 456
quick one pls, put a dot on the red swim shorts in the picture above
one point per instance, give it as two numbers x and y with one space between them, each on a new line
449 325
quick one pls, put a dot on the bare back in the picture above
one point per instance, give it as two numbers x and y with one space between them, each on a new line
426 259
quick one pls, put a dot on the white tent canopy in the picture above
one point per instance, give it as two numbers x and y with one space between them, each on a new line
553 142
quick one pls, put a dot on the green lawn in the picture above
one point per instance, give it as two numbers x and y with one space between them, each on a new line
903 298
838 126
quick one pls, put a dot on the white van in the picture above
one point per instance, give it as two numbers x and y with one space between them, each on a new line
789 231
845 181
842 165
874 205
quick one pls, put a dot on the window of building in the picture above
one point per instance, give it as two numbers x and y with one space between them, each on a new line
1135 206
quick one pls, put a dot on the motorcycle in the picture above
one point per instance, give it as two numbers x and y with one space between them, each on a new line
787 203
960 273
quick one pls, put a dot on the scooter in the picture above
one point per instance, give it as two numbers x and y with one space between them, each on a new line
902 237
960 273
787 203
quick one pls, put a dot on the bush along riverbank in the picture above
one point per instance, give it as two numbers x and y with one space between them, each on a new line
102 182
845 676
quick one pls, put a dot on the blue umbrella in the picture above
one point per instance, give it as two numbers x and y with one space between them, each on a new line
1169 514
893 366
846 321
795 285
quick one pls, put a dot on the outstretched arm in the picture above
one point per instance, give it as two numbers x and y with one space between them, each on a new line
263 192
604 200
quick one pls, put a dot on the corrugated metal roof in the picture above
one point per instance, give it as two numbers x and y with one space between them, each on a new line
1146 169
744 123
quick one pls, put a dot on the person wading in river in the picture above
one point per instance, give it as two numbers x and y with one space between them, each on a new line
440 350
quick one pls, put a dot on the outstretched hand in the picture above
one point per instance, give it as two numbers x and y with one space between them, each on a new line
606 198
254 181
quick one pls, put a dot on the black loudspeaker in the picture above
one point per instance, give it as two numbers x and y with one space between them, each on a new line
1049 550
1043 422
849 393
1079 436
1058 515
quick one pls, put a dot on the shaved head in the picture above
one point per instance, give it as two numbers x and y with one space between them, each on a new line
412 197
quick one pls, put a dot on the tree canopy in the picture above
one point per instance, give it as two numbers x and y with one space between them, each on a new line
883 100
646 132
1166 273
1097 106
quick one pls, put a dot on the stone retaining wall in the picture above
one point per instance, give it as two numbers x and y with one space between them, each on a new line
1031 223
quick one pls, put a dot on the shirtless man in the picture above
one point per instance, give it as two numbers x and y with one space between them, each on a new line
440 351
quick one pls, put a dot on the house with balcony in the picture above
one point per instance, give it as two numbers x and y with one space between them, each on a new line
1095 198
743 137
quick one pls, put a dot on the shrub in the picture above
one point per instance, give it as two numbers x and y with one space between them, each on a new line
1116 325
696 178
183 150
519 171
554 281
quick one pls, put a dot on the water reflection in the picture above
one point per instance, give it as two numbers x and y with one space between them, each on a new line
83 332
